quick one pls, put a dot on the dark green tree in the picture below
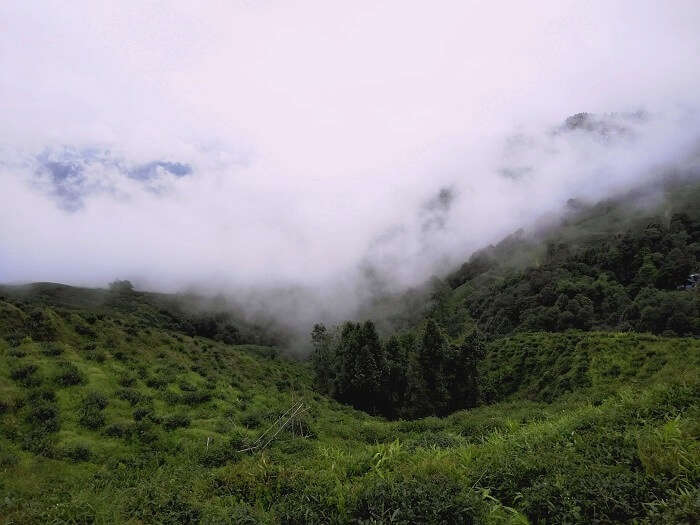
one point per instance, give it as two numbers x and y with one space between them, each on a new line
323 359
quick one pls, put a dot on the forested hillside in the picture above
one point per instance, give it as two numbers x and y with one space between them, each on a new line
619 265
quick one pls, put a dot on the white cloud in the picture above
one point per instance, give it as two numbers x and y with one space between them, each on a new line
318 130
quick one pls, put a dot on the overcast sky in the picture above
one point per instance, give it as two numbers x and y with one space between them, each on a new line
257 143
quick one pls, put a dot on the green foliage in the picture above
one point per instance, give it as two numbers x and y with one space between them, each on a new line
43 416
606 267
78 452
408 377
580 426
133 396
68 375
91 414
25 374
176 421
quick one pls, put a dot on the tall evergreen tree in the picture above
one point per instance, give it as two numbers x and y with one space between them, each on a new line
323 359
463 376
432 358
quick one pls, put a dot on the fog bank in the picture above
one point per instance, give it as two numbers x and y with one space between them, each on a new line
328 151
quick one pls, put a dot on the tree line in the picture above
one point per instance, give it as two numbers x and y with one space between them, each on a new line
416 374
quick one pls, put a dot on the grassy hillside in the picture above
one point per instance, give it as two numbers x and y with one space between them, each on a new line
115 414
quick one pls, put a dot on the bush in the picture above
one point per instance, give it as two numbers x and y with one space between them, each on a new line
156 382
8 459
142 413
433 500
52 350
39 394
133 396
119 430
145 432
99 356
43 416
221 452
188 398
91 415
25 374
95 399
40 443
69 375
127 380
186 387
176 421
78 452
252 420
91 418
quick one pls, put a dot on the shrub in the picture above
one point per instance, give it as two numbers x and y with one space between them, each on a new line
25 374
91 415
142 413
221 452
39 394
186 387
52 350
99 356
145 432
43 416
433 500
188 398
78 452
69 375
120 430
176 421
127 380
8 459
41 326
95 399
40 443
85 331
91 418
133 396
156 382
252 420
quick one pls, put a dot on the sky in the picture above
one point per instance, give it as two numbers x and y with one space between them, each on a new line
261 144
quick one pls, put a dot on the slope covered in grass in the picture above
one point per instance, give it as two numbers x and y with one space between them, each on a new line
110 415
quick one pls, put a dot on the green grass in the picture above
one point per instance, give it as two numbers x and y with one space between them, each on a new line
118 419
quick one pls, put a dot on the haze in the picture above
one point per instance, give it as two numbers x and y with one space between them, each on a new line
258 145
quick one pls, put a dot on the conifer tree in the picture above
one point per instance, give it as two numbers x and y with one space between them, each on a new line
322 359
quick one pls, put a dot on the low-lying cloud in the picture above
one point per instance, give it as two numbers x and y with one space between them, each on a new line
244 146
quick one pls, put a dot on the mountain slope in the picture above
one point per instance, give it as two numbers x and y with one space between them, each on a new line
107 415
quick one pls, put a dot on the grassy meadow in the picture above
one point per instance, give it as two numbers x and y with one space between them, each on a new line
107 416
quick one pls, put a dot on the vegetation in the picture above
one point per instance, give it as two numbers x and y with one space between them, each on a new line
405 377
543 382
613 266
580 427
